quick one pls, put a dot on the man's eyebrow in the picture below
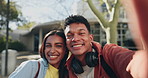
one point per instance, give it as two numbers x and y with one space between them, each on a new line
82 30
78 30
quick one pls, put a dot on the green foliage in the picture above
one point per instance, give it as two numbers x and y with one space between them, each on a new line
27 25
15 14
2 43
16 45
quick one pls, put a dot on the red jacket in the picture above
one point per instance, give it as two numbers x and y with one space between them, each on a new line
115 56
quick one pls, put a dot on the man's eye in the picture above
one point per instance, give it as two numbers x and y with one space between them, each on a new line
81 33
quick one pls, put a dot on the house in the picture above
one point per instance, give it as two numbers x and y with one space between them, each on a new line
33 39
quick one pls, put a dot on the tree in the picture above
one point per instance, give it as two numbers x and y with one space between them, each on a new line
15 13
64 11
27 25
109 26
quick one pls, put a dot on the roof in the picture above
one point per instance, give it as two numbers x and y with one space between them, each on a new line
48 26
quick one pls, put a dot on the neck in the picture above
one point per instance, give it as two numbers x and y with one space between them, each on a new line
81 59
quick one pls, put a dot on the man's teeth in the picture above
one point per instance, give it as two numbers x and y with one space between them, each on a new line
77 45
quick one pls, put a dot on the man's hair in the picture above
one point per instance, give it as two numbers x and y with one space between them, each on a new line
77 19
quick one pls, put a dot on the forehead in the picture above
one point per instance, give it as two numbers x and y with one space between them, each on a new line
75 27
54 38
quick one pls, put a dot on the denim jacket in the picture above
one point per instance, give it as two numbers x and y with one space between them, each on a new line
28 69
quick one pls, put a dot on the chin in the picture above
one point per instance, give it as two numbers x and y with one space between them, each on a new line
78 53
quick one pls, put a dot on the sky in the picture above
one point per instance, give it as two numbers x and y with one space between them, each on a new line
41 11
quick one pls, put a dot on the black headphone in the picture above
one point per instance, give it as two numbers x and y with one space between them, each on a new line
91 59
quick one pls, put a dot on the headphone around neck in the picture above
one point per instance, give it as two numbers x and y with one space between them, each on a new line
91 59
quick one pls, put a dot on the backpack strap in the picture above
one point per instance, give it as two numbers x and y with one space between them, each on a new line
107 68
38 70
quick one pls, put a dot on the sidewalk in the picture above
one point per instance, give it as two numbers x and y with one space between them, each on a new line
21 56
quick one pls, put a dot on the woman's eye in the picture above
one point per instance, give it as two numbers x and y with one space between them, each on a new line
69 36
59 46
48 46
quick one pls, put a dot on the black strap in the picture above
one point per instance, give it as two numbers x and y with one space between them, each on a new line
107 68
38 70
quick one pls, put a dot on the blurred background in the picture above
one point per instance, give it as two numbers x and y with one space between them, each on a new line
23 24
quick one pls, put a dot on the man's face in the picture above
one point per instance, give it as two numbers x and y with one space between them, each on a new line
78 39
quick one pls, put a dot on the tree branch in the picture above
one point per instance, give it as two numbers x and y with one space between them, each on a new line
98 14
115 11
109 8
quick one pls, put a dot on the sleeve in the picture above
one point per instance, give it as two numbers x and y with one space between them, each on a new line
24 70
118 58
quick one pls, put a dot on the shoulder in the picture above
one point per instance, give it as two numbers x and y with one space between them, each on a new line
25 69
97 46
29 63
117 57
115 53
43 62
115 48
109 46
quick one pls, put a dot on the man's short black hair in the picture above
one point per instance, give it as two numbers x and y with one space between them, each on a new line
77 19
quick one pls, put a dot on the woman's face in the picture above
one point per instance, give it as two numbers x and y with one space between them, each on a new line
54 50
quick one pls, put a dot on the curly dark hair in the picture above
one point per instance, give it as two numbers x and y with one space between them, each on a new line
77 19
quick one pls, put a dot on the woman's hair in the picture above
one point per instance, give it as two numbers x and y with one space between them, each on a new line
62 69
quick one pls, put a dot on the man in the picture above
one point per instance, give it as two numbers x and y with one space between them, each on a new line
88 57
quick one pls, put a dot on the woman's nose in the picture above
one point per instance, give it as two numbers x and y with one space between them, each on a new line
52 50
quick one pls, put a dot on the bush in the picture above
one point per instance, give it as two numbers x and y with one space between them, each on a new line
16 45
2 44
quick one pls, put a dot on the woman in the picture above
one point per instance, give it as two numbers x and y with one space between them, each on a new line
53 54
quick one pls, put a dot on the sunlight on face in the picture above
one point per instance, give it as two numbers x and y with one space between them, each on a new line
78 38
